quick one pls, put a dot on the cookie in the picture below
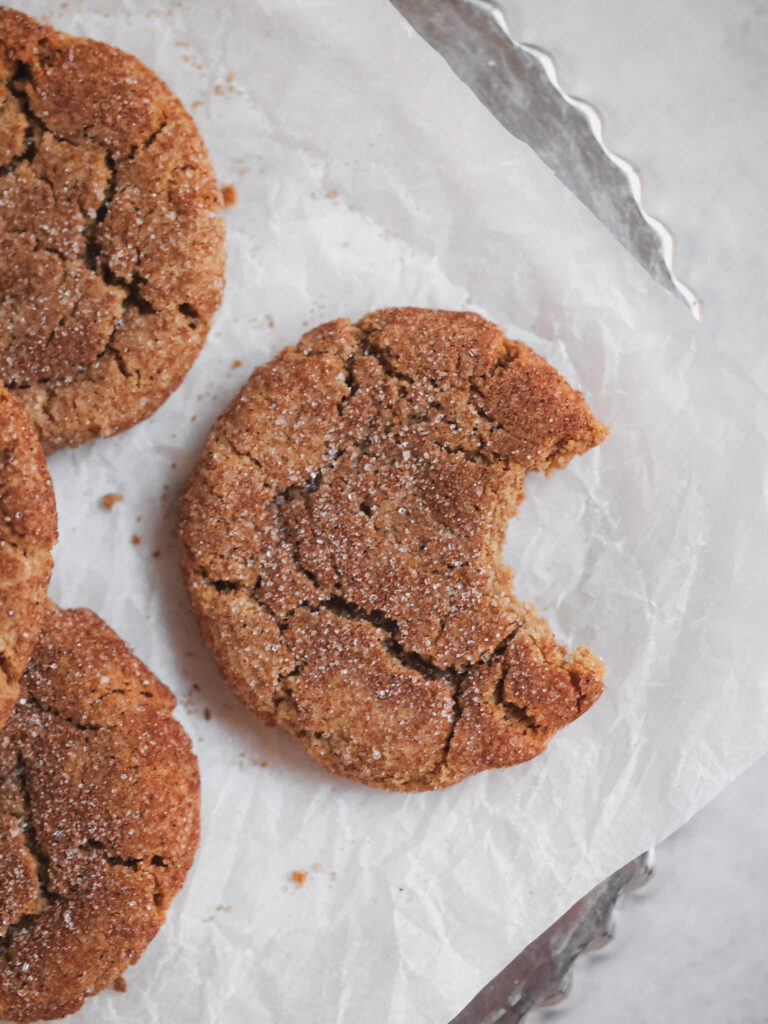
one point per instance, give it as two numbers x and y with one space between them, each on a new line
341 547
111 256
99 796
27 534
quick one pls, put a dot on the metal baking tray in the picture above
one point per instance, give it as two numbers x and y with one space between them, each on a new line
541 976
519 84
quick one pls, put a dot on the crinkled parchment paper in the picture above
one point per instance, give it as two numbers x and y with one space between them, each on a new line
367 175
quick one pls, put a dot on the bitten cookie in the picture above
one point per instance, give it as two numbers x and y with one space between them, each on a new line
341 547
111 258
99 796
27 534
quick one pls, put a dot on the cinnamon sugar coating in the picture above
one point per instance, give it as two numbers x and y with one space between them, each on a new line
27 534
341 546
111 258
99 819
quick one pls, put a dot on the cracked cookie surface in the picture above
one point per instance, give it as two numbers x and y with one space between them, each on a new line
111 257
99 798
341 540
27 534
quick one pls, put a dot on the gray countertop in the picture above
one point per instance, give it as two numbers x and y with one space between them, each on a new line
682 88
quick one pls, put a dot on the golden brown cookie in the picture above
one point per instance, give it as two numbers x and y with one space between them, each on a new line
341 546
99 820
111 258
27 534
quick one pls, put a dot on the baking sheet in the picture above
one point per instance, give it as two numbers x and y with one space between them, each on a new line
519 84
368 175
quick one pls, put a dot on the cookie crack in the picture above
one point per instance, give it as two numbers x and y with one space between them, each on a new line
458 711
293 544
386 634
473 396
28 831
514 713
246 455
38 247
132 299
35 126
93 254
6 667
46 709
90 228
36 851
368 347
112 859
15 928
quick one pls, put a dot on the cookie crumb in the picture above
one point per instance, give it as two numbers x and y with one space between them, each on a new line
228 195
237 363
155 554
110 500
119 984
135 539
298 878
207 714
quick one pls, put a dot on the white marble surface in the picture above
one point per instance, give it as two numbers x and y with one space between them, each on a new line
683 89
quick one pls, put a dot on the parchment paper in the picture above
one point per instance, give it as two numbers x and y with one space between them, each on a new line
368 175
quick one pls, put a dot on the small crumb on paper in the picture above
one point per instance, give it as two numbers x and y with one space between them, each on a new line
207 714
119 984
298 878
109 500
228 195
135 539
